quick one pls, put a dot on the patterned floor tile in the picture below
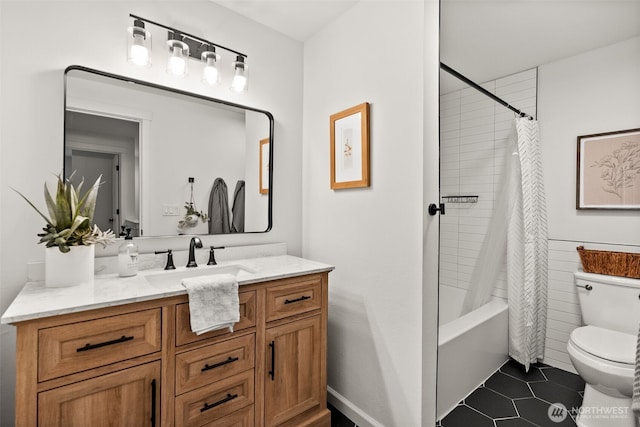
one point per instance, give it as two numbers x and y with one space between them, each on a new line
512 397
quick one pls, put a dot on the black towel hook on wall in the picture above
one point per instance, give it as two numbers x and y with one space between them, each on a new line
433 209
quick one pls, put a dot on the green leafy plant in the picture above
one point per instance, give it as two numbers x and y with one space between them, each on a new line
70 216
191 216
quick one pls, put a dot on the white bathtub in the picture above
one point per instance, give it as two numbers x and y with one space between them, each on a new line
470 347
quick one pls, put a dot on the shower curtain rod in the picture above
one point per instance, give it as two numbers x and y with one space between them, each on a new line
476 86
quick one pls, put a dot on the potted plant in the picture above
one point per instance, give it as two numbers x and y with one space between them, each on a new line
69 234
191 216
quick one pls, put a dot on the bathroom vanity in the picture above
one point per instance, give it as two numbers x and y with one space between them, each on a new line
121 351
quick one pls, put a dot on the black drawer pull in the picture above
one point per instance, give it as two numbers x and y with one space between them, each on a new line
229 397
153 403
272 372
215 365
302 298
103 344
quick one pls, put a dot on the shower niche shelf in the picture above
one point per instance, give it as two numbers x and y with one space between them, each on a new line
460 199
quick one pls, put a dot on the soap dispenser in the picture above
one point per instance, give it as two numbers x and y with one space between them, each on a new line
128 257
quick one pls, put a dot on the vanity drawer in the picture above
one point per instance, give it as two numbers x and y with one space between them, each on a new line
242 418
217 400
76 347
184 335
293 298
197 368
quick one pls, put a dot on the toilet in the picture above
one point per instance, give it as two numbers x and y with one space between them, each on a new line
604 351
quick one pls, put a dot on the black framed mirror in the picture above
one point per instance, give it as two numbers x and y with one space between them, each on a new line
172 162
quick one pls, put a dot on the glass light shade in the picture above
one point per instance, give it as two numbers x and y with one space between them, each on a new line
240 76
139 45
177 62
211 73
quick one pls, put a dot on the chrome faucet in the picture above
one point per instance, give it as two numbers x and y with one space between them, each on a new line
193 244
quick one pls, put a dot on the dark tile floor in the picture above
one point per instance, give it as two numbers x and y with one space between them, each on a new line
512 397
338 419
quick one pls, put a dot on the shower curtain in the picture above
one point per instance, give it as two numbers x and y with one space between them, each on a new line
517 235
527 255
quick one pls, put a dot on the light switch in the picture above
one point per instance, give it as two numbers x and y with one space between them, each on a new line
170 210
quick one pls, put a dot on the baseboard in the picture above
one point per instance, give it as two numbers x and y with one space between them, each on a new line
354 413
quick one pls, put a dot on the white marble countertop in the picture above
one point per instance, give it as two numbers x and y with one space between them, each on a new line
36 301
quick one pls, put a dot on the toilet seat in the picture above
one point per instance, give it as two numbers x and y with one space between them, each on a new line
614 346
610 378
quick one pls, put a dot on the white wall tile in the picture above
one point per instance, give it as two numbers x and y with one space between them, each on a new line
473 149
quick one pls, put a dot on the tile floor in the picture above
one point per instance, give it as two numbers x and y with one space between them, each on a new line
338 419
513 398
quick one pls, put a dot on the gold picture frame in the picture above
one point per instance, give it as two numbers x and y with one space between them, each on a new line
349 146
263 173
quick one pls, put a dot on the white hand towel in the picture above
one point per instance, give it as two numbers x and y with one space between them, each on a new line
213 302
635 402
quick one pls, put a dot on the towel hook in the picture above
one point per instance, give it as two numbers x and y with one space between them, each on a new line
433 209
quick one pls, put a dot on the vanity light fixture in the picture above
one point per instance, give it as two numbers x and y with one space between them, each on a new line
181 47
138 44
178 53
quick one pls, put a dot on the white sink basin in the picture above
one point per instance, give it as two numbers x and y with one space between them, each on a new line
174 277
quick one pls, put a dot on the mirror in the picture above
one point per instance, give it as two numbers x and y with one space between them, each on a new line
172 162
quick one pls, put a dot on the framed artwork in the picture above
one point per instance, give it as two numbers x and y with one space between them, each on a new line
608 171
349 130
264 166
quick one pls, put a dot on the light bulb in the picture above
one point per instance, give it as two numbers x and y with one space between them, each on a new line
139 53
239 83
240 75
177 62
139 44
210 74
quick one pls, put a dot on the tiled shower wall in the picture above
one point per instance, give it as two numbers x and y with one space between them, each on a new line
473 135
473 132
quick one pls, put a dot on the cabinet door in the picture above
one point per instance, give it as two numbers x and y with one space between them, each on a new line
293 369
124 398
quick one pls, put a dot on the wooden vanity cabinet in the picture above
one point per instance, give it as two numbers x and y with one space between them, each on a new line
139 364
295 341
294 383
124 398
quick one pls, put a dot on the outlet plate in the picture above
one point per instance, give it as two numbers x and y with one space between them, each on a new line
170 210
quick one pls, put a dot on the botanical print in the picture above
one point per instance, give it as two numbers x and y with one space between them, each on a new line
348 151
620 169
610 170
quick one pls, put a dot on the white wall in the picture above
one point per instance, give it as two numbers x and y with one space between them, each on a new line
594 92
6 351
92 34
375 53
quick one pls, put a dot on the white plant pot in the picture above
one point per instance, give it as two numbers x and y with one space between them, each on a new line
194 226
69 269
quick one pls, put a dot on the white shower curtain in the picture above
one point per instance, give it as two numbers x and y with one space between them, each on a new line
527 255
517 233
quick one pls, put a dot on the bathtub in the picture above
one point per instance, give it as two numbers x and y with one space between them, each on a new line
470 347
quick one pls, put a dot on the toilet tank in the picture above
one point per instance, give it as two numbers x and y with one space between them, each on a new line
612 302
